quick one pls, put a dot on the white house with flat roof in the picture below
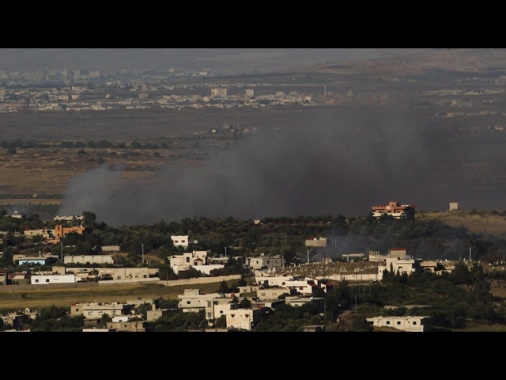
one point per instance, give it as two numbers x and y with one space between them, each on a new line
405 323
265 262
180 241
53 279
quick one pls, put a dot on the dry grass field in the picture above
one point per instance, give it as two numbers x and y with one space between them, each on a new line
14 297
479 222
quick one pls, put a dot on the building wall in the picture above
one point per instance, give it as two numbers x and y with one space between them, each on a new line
180 241
399 265
192 301
52 279
316 242
92 259
220 308
241 318
273 280
298 301
272 293
265 262
153 315
130 326
406 323
60 231
95 310
45 233
394 209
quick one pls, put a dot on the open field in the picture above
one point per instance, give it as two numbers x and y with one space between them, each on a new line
480 222
13 297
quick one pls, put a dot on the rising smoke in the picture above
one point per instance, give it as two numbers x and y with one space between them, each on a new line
331 163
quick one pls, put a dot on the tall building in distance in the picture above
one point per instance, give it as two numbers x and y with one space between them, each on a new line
394 209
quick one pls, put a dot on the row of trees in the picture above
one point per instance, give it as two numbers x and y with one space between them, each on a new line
160 143
423 238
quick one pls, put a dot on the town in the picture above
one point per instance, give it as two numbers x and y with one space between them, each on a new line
260 284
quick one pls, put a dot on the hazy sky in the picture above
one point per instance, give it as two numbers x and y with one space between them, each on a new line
340 162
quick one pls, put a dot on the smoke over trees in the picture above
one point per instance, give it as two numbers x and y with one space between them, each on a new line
339 161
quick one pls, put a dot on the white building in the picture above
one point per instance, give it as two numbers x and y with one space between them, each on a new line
92 259
53 279
243 319
265 262
188 260
406 323
316 242
214 304
180 241
95 310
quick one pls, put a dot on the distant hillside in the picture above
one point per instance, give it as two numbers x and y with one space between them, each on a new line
479 222
359 61
401 62
232 59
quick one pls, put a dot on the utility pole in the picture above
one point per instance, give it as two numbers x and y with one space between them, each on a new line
142 247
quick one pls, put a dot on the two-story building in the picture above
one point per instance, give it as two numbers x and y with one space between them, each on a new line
196 259
394 209
267 263
213 304
243 319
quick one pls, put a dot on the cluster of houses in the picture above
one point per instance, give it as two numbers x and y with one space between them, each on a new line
264 296
268 291
295 290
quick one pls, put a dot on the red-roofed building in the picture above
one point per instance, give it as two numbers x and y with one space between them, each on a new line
394 209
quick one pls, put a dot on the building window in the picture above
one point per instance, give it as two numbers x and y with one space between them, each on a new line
208 303
37 280
188 302
387 322
414 323
47 279
208 315
398 322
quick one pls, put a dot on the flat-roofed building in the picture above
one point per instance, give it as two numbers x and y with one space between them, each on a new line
394 209
405 323
95 310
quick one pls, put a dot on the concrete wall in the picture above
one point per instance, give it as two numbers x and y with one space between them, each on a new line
92 259
354 277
